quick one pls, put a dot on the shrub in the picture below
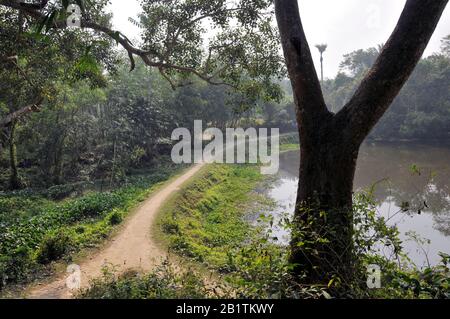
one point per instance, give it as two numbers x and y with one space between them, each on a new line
53 247
165 282
59 192
169 226
14 268
80 230
115 218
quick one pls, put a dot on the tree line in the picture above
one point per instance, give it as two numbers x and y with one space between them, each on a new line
421 111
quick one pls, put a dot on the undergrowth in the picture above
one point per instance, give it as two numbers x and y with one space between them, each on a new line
165 282
36 231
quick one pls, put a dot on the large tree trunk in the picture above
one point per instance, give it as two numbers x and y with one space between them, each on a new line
322 243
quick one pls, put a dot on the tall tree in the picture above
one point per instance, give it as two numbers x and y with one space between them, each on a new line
330 142
322 48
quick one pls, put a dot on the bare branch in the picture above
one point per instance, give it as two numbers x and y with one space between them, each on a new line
168 79
35 107
13 58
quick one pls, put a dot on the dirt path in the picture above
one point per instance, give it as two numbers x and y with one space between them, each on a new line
133 247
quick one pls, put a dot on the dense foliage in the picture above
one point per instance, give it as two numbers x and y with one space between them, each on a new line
421 111
35 231
106 133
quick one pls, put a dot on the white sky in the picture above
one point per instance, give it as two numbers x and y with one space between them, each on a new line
345 25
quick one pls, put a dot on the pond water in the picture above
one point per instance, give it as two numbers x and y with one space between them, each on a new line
389 167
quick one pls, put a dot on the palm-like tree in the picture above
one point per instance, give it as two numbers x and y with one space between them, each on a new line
322 48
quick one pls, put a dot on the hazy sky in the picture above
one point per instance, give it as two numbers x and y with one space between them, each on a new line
345 25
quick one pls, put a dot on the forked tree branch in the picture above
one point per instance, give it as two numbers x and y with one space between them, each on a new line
381 85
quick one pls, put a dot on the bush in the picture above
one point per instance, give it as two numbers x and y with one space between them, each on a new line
115 218
80 230
171 227
14 209
53 247
59 192
165 282
14 268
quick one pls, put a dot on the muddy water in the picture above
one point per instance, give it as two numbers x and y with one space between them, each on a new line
401 173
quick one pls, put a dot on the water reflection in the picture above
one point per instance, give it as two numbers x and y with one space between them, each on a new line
417 176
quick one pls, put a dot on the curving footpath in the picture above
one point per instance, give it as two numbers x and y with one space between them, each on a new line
132 248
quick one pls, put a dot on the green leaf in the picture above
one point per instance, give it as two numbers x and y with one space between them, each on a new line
326 295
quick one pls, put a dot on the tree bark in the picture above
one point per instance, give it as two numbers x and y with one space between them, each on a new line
58 161
322 244
14 175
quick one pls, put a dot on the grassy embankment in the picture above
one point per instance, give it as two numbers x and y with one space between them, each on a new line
36 231
289 142
208 224
206 221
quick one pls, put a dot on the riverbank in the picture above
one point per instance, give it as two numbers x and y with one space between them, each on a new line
207 230
207 223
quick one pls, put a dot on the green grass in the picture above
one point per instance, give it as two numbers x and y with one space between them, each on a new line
205 220
165 282
35 231
289 147
207 223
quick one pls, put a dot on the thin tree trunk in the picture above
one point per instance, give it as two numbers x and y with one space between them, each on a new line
14 173
57 172
321 67
113 170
